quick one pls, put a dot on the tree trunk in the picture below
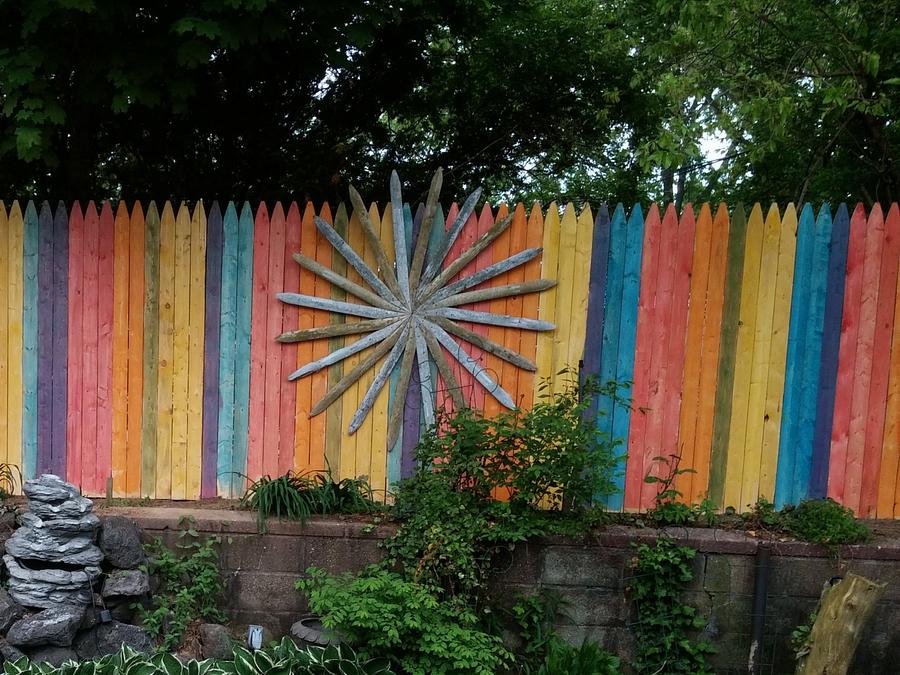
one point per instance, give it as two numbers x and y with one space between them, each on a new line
843 612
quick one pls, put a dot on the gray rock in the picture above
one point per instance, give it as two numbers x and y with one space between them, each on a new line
49 488
55 656
42 596
8 652
86 523
126 582
53 626
68 579
10 611
49 587
76 507
40 544
108 638
215 641
120 541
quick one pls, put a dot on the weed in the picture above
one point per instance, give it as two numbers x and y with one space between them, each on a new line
668 510
190 585
664 622
588 659
819 521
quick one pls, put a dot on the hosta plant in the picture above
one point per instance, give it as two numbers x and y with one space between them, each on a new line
284 659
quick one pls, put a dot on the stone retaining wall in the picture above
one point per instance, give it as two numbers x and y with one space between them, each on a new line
589 574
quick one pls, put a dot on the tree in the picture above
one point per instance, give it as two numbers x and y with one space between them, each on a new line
268 98
806 94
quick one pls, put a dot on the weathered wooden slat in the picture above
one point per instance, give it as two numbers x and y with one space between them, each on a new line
489 319
350 378
164 394
426 384
465 258
345 352
196 351
60 330
385 266
335 330
424 236
378 383
336 306
459 223
225 437
451 290
470 364
443 366
400 251
353 258
395 416
486 344
344 283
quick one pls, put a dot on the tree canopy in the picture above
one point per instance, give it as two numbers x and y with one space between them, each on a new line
570 99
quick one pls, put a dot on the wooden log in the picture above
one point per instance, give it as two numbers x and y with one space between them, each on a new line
385 266
485 344
335 330
343 282
424 236
843 613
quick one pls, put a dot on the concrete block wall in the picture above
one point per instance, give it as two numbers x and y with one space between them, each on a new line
590 575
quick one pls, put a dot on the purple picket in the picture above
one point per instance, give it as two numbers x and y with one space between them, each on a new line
211 402
60 338
45 341
828 362
596 294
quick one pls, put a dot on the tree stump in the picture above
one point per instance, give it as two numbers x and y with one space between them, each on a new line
843 612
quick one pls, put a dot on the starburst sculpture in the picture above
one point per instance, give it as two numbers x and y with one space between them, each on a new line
411 309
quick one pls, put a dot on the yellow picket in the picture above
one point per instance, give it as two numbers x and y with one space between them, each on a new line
762 345
164 393
744 359
781 317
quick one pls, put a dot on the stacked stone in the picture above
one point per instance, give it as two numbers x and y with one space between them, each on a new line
52 559
54 567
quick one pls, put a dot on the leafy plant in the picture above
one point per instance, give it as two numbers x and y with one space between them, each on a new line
190 585
385 615
668 510
284 659
819 521
664 622
823 521
534 616
296 496
800 636
10 479
588 659
547 463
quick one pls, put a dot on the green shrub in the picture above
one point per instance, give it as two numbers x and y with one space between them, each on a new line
823 521
191 586
664 622
382 614
819 521
547 462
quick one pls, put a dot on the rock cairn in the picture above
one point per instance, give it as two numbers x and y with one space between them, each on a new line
61 583
52 559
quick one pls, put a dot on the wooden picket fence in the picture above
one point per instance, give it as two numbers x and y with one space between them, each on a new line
762 347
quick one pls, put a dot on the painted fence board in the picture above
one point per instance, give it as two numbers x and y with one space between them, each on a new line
764 351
